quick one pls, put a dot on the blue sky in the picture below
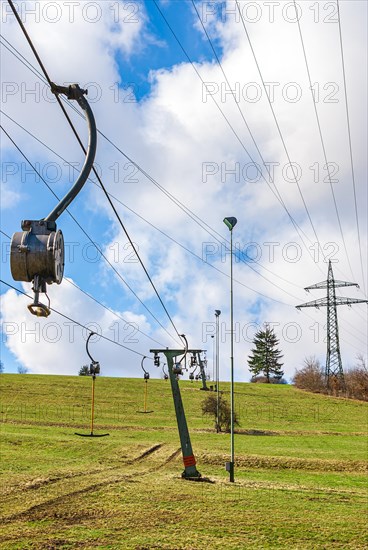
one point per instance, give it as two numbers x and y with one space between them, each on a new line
185 128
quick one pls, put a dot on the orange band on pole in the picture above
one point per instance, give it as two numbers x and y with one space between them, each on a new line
189 460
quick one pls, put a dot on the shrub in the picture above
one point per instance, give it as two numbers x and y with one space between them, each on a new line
263 380
356 381
209 406
311 377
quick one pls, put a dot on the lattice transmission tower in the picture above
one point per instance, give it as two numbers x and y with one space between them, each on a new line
331 301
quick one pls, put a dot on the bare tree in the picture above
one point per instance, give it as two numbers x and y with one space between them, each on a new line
22 369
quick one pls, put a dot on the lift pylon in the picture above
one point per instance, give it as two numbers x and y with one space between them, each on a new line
190 468
202 371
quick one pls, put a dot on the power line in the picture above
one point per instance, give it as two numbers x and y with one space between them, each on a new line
94 170
276 194
85 233
176 201
247 125
278 127
344 321
149 223
6 235
321 138
101 304
74 321
350 144
171 197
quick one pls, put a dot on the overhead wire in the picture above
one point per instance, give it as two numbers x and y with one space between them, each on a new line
149 223
148 176
74 321
321 138
85 233
94 169
247 125
181 205
156 182
341 321
350 145
101 304
276 194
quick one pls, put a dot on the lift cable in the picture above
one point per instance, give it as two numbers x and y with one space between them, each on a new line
73 320
94 169
149 223
171 197
343 321
86 234
248 128
112 311
350 145
181 205
98 302
322 140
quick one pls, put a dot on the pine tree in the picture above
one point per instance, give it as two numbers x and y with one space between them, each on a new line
266 357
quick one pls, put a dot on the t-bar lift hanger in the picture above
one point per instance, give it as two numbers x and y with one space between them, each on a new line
37 252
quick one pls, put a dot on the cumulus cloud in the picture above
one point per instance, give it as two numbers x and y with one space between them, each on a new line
179 136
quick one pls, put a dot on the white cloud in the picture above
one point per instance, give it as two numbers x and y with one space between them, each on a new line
173 133
57 345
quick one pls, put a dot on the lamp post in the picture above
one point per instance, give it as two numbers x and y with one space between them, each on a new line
217 315
231 223
213 358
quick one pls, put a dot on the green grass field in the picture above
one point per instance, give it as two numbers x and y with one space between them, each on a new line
301 467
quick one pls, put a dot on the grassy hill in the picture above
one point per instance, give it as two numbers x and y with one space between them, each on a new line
300 468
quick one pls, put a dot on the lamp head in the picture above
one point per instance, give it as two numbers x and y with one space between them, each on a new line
217 312
230 222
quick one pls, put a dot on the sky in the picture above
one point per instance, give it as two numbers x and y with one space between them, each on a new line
202 106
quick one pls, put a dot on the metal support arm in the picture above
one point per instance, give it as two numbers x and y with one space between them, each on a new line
76 93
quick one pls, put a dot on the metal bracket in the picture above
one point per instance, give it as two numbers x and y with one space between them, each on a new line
74 92
37 253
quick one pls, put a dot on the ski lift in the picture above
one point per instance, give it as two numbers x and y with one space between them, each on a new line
177 369
146 378
166 376
146 374
37 252
94 369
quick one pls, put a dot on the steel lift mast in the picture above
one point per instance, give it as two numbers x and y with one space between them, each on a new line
202 371
174 369
331 301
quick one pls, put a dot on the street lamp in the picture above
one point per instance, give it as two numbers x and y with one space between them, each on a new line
217 315
231 223
213 358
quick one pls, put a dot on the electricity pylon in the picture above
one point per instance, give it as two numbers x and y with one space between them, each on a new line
333 358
